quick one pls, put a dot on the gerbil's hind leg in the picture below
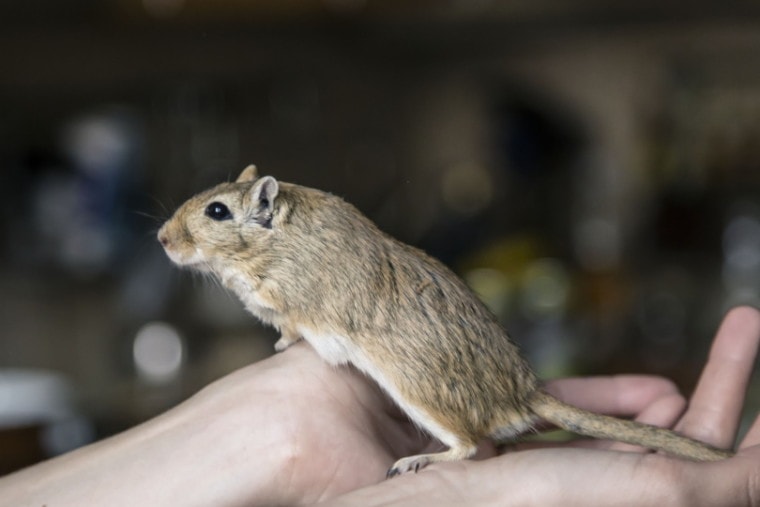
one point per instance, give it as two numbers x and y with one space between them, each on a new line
287 338
415 463
511 427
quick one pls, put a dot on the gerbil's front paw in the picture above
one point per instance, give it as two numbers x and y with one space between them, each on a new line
285 342
406 465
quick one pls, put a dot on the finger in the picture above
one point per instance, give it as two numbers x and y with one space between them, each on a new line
621 395
664 411
715 407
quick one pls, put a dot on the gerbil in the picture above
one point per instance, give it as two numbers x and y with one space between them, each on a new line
312 266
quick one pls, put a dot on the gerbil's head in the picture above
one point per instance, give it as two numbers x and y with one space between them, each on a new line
228 223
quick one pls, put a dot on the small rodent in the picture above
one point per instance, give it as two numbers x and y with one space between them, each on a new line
311 265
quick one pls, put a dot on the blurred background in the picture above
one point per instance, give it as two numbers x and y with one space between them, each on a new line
592 169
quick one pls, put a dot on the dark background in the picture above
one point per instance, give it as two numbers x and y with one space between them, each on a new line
590 167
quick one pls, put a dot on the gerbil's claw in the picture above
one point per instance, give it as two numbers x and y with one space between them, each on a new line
394 470
410 464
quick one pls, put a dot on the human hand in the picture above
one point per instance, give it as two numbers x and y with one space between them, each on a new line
287 430
564 475
293 430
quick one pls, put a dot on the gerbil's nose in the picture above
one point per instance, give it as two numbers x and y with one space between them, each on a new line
163 238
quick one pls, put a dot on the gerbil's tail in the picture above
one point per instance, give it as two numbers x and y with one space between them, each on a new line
585 423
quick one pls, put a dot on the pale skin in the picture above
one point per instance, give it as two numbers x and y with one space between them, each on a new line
292 430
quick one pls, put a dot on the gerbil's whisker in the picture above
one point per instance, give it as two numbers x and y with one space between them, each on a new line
145 214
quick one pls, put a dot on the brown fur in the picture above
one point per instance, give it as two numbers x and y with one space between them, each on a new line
312 265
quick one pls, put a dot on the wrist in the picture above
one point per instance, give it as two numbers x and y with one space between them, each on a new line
214 449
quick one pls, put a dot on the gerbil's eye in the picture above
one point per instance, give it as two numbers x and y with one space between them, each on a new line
218 211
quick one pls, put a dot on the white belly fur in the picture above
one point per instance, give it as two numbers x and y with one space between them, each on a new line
337 350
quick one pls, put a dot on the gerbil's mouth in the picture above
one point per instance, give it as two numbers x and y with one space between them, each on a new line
193 260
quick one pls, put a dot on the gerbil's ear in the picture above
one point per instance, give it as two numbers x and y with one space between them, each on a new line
250 173
263 194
